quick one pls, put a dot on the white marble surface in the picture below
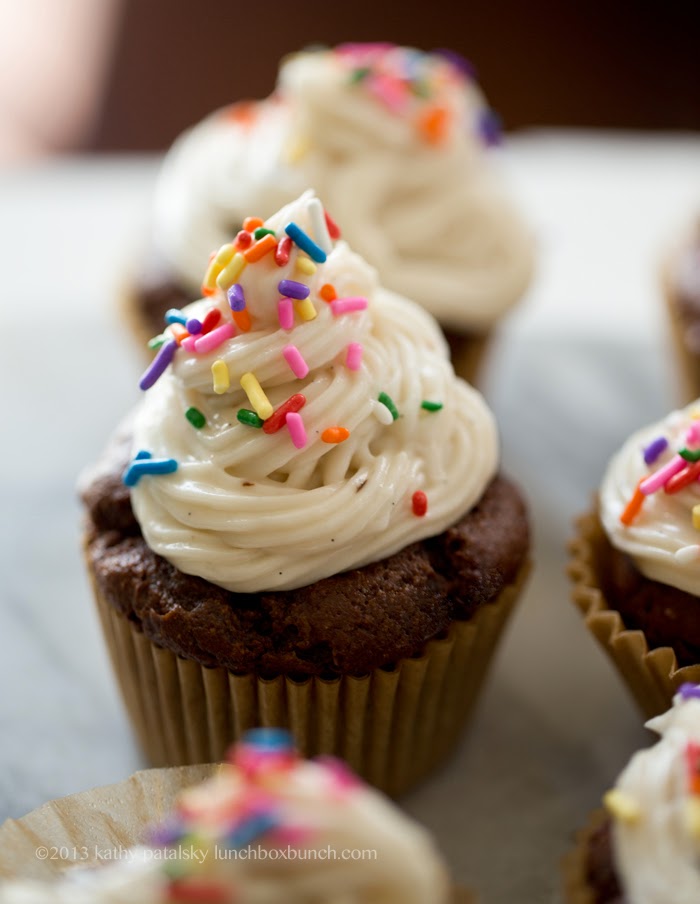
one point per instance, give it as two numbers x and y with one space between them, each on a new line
584 361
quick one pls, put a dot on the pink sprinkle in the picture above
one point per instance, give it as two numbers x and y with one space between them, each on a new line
353 358
296 428
295 359
285 312
291 835
389 90
347 305
188 344
662 476
692 435
212 340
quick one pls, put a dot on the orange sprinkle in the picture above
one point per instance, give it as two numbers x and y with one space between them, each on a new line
208 290
633 507
335 434
242 112
260 249
251 223
433 124
242 319
179 332
328 292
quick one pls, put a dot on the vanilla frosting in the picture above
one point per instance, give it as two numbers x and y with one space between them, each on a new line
656 852
309 833
250 511
661 538
429 214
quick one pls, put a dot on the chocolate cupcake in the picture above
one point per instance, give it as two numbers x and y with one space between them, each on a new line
644 847
682 290
636 560
303 525
395 142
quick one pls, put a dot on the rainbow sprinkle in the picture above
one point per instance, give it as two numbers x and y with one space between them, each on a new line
305 242
388 402
296 361
143 464
196 418
256 396
296 428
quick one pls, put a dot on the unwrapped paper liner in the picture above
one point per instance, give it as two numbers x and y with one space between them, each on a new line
652 675
392 727
104 819
575 863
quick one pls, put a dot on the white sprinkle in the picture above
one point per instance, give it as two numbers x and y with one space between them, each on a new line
688 554
318 225
382 413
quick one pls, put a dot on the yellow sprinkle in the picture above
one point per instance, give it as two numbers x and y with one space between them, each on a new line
692 816
224 254
696 517
297 148
209 281
305 308
304 265
622 805
219 372
231 272
256 396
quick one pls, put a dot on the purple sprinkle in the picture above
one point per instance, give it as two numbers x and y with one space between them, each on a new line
168 833
236 297
193 326
158 364
465 66
653 450
689 691
489 127
291 289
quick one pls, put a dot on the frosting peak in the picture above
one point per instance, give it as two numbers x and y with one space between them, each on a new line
316 427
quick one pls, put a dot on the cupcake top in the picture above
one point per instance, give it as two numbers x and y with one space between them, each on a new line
301 421
393 140
655 808
267 828
650 500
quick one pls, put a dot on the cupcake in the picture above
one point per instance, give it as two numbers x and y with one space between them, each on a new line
644 848
303 524
682 290
265 828
394 140
636 560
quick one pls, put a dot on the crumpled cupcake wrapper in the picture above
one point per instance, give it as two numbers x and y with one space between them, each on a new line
103 819
574 865
393 726
652 675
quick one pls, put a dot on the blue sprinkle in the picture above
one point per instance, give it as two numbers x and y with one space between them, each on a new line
158 364
654 449
305 242
269 738
251 829
489 127
289 288
193 326
175 316
236 297
141 466
141 454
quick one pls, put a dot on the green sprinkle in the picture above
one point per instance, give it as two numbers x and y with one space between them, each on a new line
387 400
156 342
420 89
430 406
689 454
195 417
249 418
359 75
261 231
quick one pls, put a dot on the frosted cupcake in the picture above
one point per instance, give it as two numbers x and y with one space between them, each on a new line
682 290
645 849
266 828
636 560
310 530
394 140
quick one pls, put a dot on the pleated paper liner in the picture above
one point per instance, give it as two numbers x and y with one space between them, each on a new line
652 675
575 863
687 361
392 726
103 819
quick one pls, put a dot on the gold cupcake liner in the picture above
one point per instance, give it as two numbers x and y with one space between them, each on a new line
688 366
575 863
81 827
652 675
393 726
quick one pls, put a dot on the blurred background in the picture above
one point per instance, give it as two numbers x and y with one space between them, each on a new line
118 75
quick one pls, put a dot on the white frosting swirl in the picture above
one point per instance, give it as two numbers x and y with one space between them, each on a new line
431 217
400 864
249 511
656 855
661 539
